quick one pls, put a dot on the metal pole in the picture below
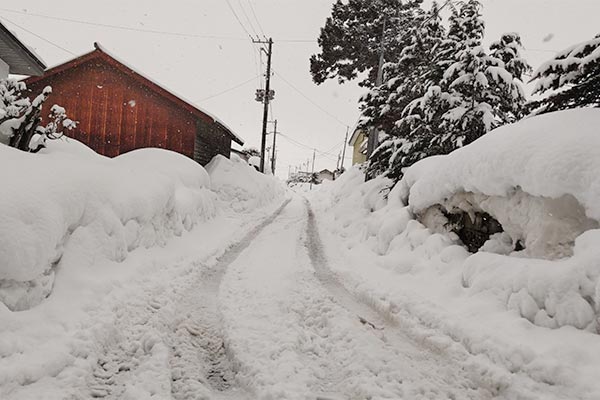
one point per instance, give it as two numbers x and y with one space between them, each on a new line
266 107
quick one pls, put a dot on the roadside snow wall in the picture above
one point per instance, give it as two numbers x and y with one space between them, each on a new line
539 178
68 206
240 186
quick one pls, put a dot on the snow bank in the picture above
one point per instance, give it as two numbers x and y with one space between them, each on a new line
69 206
240 186
538 177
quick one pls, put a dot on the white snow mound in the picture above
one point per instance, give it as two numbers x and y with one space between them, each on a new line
68 205
551 155
240 185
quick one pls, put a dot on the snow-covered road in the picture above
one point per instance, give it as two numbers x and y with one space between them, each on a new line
270 320
265 317
295 333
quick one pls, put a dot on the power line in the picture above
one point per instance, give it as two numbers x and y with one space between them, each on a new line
39 37
122 27
248 19
332 157
310 100
335 146
144 30
228 90
238 19
256 18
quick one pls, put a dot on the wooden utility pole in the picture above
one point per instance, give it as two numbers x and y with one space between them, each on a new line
344 148
274 139
265 97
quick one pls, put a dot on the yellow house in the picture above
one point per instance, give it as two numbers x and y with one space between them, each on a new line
358 141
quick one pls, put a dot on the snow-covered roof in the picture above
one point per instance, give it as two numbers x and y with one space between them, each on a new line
21 59
355 136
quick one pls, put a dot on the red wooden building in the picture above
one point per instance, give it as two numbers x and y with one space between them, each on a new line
118 110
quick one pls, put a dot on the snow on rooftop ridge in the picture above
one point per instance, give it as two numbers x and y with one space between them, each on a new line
24 45
29 48
98 46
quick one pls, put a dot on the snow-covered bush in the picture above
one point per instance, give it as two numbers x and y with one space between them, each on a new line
303 177
20 118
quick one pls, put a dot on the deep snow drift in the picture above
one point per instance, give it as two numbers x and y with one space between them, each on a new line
540 179
81 233
242 191
66 208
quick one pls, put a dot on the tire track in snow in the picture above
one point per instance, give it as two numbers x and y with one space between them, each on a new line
169 342
430 374
292 339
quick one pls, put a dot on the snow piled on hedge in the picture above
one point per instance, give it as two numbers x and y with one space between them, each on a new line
540 179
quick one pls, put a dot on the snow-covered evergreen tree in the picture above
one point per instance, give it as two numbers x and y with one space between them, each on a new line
508 50
572 79
464 92
408 79
20 118
351 39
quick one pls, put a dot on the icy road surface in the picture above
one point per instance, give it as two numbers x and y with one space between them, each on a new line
268 319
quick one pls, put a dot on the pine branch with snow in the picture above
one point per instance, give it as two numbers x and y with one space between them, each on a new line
570 80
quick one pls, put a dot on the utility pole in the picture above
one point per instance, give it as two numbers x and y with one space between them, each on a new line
274 138
344 148
313 169
265 97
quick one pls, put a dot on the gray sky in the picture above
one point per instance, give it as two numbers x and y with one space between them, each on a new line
198 68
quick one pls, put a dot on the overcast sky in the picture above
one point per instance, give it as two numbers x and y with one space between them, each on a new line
199 68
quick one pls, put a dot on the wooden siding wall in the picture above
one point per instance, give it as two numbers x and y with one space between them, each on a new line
117 114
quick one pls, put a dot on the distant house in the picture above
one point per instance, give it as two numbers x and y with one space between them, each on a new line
16 58
325 174
358 141
118 110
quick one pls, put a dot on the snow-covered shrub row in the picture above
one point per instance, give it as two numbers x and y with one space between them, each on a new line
240 186
67 206
538 177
